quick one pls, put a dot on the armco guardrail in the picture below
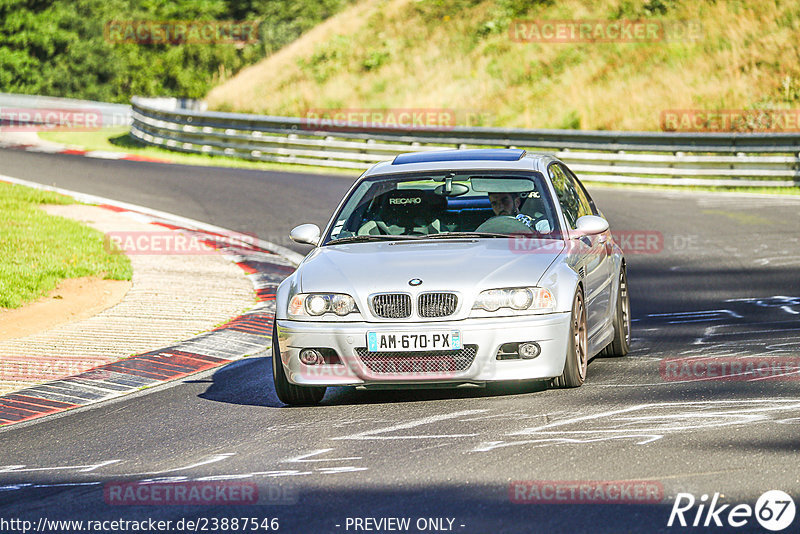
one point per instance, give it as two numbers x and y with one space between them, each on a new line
768 160
111 114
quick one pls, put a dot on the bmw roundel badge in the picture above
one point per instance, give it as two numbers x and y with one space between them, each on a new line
415 282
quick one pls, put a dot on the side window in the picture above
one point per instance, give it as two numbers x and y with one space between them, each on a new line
586 200
568 195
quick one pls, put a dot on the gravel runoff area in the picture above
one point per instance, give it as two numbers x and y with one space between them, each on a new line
173 297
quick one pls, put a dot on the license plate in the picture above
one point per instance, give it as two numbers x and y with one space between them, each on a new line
413 341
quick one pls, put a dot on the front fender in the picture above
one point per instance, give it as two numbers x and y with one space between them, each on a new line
562 281
290 286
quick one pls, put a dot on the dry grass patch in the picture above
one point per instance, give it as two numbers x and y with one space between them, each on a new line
457 54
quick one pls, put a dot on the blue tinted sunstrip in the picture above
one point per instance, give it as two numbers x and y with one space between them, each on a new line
479 154
473 202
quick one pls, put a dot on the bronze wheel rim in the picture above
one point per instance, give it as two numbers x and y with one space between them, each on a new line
579 336
626 307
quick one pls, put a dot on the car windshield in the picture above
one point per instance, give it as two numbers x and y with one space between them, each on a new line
446 205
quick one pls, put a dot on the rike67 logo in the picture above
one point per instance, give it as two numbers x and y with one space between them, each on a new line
774 510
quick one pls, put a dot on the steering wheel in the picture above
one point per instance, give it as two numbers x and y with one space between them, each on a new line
504 224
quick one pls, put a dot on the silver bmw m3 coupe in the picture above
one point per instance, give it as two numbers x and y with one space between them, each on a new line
452 268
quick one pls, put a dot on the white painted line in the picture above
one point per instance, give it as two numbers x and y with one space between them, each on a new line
304 457
10 468
45 149
372 434
334 470
752 331
66 484
704 415
282 473
15 487
79 468
224 477
735 404
702 313
103 154
682 314
210 460
706 320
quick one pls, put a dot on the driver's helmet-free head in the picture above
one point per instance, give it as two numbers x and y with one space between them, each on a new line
504 203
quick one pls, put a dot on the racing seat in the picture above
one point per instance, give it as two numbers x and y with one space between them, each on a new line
532 205
406 212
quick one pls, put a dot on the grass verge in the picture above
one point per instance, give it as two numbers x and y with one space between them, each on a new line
38 250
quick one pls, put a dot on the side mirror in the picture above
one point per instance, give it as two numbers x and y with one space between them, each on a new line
591 225
306 234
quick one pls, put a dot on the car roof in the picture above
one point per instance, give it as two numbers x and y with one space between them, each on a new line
459 159
480 154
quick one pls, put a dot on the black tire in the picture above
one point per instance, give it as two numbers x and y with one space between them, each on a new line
621 344
577 363
287 392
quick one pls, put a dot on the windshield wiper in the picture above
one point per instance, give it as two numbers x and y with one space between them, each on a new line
370 237
456 235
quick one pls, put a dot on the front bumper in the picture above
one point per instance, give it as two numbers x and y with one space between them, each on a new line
550 331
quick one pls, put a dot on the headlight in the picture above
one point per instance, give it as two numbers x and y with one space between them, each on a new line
305 305
515 298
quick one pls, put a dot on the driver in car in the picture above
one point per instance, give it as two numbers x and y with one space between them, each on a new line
509 204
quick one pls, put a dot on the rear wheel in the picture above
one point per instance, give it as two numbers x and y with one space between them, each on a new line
577 362
621 343
287 392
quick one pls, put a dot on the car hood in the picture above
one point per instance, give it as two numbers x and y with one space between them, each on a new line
456 265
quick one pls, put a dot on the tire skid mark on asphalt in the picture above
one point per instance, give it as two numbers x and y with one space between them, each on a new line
242 336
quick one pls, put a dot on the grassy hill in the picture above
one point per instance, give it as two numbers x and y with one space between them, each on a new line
458 54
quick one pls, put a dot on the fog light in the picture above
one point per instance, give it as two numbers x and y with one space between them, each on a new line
311 356
529 351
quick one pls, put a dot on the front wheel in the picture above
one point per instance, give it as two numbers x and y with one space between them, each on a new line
577 362
287 392
621 343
